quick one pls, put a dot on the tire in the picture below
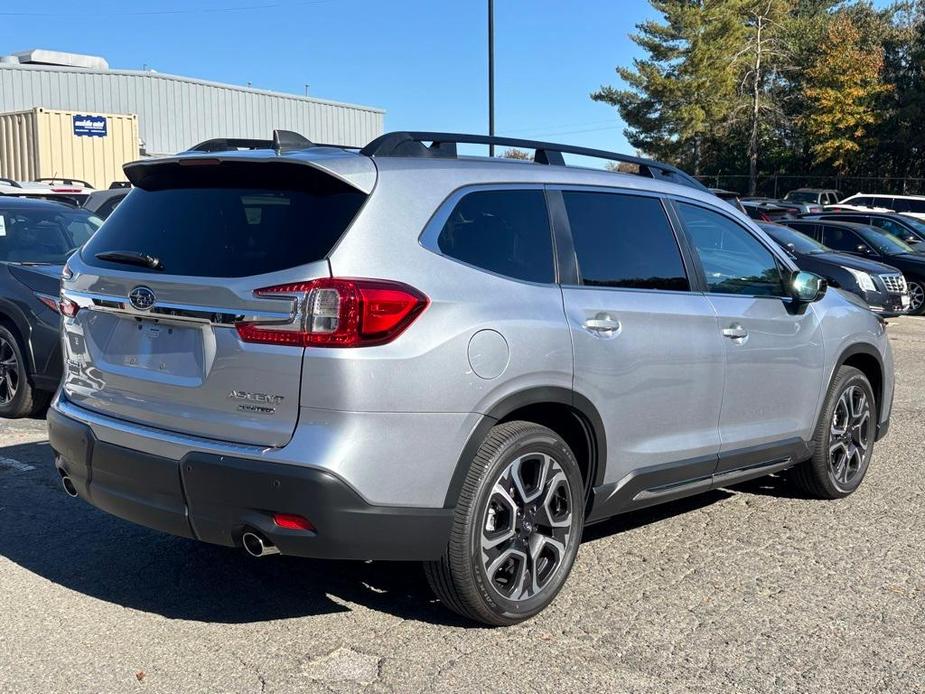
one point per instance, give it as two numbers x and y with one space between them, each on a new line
519 516
917 296
840 461
18 397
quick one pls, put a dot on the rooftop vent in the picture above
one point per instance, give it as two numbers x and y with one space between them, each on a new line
42 56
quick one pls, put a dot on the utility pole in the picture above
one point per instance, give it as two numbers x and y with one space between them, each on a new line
491 74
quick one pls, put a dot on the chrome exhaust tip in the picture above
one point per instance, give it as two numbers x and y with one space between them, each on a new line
69 488
256 546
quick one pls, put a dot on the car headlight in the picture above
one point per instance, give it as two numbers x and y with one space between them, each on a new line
865 281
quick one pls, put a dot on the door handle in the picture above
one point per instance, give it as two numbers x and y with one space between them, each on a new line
603 324
735 332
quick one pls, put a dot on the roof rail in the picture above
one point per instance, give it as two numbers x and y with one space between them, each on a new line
283 141
411 144
63 181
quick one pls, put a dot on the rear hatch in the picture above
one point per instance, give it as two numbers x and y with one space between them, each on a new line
158 290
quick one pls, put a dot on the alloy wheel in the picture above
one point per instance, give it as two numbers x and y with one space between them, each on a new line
9 372
526 527
916 297
849 436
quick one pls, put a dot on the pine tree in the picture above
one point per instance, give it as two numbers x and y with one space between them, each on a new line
684 88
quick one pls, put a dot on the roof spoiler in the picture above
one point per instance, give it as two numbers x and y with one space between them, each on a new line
283 141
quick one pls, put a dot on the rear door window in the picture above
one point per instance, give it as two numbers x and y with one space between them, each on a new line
840 239
624 241
503 231
247 223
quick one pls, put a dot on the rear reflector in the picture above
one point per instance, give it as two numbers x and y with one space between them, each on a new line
333 312
292 522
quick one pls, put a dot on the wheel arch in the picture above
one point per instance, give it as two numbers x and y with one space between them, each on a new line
569 414
12 319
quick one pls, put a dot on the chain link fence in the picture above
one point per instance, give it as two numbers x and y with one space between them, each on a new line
779 186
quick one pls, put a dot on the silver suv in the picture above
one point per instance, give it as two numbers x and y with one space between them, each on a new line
400 353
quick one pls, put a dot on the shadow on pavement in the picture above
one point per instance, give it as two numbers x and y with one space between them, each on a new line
74 545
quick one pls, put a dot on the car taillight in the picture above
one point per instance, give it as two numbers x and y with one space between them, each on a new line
50 301
333 312
763 217
68 307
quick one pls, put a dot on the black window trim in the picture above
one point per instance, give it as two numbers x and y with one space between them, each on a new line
571 278
434 226
776 251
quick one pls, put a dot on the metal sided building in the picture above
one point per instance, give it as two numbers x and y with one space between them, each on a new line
173 113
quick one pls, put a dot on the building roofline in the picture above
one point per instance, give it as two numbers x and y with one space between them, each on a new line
189 80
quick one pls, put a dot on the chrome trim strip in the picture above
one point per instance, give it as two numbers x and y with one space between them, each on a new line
211 315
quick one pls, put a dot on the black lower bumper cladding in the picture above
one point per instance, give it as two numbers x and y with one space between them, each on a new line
215 498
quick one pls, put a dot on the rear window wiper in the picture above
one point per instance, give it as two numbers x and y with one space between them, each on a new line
131 258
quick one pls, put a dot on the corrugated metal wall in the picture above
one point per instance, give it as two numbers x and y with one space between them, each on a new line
175 113
18 152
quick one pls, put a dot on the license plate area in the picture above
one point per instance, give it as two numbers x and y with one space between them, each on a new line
155 347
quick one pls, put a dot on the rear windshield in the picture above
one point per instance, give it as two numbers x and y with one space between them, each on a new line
802 196
43 235
261 224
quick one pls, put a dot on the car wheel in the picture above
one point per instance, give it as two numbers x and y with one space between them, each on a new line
516 529
916 297
17 396
844 438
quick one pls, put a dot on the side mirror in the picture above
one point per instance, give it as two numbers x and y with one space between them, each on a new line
806 287
861 248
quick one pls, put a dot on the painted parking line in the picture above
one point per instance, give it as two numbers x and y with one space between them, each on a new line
15 465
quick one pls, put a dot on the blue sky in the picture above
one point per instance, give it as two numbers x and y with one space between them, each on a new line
423 62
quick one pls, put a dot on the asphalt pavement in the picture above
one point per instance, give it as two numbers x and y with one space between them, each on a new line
751 589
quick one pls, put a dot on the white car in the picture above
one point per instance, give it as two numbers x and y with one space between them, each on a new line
63 190
911 205
842 207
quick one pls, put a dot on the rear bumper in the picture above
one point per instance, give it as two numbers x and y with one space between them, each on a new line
214 498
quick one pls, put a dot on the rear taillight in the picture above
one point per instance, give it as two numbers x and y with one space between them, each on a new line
50 301
67 307
333 312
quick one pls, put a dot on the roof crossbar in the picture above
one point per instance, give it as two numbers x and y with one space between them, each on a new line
411 144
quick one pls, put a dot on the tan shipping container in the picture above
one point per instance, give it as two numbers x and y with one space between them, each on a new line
45 143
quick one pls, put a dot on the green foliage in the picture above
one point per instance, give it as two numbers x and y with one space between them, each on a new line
827 86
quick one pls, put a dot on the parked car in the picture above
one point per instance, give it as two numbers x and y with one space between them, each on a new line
814 196
103 202
36 238
874 244
912 205
793 207
764 211
395 353
45 189
907 229
882 287
729 196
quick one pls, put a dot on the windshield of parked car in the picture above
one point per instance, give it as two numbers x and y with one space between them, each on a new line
785 236
43 235
801 196
885 243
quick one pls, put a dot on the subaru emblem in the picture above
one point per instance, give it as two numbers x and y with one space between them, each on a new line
142 298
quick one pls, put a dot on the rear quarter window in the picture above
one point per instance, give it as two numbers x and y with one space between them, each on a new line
244 221
503 231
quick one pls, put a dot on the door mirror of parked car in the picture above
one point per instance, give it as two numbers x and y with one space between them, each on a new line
864 250
807 287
